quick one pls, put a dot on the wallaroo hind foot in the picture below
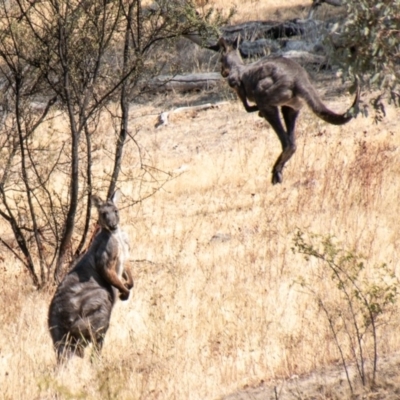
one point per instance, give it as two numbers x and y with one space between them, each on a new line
276 177
277 84
80 310
68 349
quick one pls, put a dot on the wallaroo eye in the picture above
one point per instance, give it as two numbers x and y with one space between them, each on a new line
104 214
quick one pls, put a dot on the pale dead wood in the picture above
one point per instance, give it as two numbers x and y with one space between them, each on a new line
163 117
184 83
305 58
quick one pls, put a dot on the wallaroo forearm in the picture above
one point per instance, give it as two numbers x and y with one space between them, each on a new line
241 92
111 276
127 275
277 86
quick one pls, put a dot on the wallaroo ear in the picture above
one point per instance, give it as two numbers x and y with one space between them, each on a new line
116 196
214 47
96 201
236 42
222 44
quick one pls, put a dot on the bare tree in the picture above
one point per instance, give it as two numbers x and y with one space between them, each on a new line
74 57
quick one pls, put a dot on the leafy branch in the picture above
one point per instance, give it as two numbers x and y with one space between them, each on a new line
365 294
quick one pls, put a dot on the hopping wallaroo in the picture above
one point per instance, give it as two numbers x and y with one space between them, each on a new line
80 310
272 83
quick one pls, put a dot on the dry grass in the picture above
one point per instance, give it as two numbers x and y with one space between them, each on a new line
247 10
214 307
260 9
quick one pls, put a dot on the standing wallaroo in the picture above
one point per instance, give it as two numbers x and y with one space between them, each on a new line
80 310
273 83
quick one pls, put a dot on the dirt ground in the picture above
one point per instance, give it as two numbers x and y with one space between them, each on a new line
330 383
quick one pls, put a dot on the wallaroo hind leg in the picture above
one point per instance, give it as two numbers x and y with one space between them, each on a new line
271 114
290 116
67 347
71 346
98 342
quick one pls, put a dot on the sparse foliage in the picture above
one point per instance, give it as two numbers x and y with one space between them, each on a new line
366 298
367 44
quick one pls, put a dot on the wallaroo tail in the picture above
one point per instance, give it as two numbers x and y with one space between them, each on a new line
80 310
275 85
319 108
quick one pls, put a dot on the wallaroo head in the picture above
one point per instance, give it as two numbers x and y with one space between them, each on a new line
229 55
108 212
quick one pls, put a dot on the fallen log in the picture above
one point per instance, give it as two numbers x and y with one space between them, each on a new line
259 38
183 83
306 58
211 80
163 117
263 47
265 29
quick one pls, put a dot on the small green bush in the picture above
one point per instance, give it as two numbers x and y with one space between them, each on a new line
367 297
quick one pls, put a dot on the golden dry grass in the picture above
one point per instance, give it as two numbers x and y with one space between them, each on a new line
258 9
247 10
215 307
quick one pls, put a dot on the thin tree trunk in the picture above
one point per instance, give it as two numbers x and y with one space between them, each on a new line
78 250
74 177
124 109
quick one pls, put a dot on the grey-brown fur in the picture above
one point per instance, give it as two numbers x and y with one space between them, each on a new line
273 83
80 310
